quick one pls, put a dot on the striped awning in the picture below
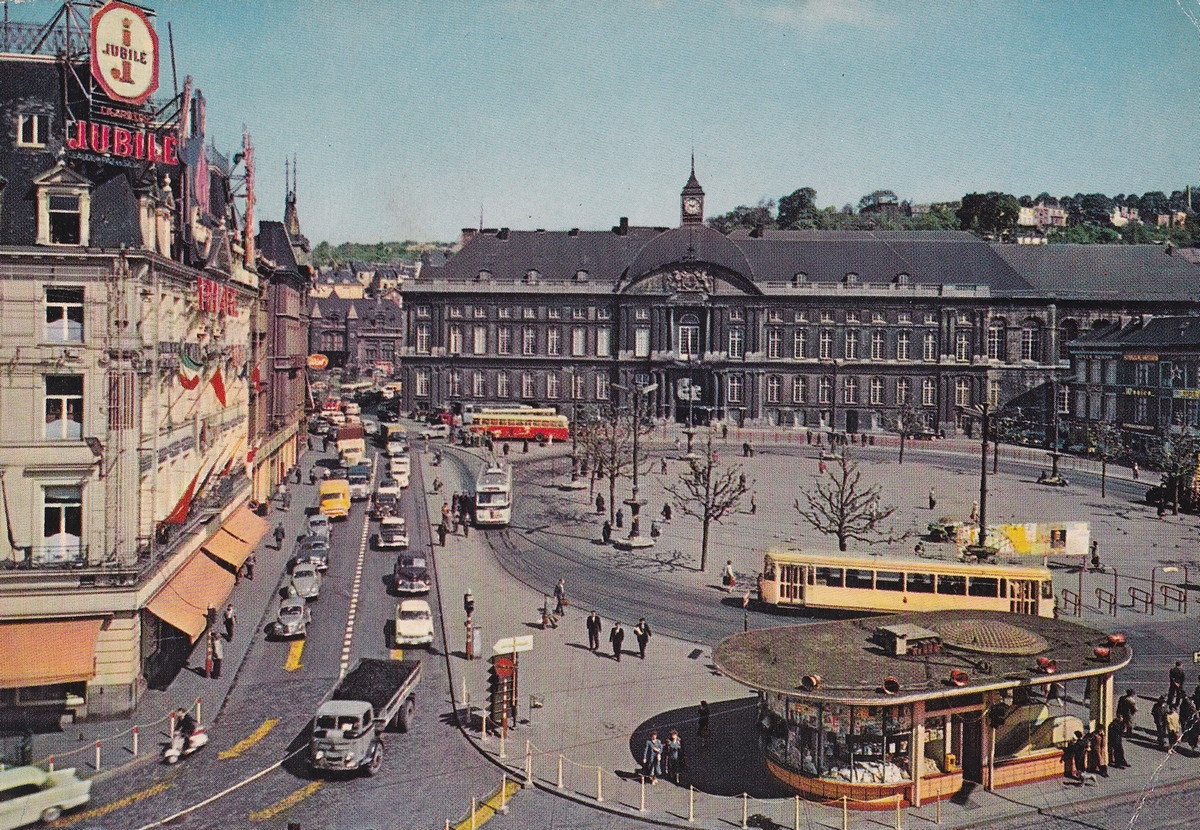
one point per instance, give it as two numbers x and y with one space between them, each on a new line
184 601
46 652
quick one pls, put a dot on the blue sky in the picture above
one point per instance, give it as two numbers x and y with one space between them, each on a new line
407 118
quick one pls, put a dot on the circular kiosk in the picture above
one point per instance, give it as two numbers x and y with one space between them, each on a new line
914 705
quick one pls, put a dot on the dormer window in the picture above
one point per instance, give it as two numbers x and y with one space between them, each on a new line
902 279
799 279
32 129
581 276
531 276
64 205
483 276
850 279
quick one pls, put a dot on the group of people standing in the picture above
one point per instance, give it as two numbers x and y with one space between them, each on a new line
1176 716
456 514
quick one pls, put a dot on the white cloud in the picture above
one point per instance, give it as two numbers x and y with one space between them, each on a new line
813 15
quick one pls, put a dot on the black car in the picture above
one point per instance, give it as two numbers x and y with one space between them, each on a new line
411 574
314 549
385 504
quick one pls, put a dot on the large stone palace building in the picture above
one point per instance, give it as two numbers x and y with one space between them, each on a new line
826 330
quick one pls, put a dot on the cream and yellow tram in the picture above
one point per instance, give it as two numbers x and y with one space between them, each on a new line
793 578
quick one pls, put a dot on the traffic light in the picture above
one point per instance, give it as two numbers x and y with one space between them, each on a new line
469 603
502 683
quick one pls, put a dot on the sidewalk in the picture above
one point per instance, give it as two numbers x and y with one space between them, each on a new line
253 601
583 718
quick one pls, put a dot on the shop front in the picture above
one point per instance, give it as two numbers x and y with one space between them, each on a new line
988 698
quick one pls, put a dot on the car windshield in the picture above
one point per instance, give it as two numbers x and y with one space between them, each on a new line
413 562
358 479
302 573
414 615
387 482
290 611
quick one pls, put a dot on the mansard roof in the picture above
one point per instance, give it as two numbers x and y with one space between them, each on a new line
1181 332
1121 272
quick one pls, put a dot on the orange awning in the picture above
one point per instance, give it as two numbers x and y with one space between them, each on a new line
184 601
228 548
41 653
245 525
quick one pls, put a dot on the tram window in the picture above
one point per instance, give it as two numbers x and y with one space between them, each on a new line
984 586
1047 590
831 577
859 578
889 581
919 583
955 585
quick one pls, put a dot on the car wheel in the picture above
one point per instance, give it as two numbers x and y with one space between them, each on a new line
50 814
376 761
404 718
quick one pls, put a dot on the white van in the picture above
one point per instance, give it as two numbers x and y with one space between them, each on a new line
400 468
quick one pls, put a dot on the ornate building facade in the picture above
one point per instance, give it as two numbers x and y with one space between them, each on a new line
823 330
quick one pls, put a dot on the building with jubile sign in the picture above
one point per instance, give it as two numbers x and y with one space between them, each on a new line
134 335
820 330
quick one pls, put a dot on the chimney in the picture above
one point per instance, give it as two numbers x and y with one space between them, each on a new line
573 232
467 235
622 229
502 234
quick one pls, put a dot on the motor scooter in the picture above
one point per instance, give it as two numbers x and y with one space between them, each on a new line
179 747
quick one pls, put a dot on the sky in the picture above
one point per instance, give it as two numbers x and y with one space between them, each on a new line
411 119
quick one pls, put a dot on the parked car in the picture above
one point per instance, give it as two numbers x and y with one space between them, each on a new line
393 533
388 485
411 574
414 623
30 794
305 582
293 618
318 525
436 431
385 504
318 426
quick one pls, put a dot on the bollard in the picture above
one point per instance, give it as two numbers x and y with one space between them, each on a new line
599 785
51 764
559 783
135 742
938 817
796 819
172 723
447 824
691 804
503 808
845 815
502 755
528 765
745 808
642 798
198 720
898 827
97 756
472 812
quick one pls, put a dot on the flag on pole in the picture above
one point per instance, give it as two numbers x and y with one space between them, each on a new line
218 385
189 371
179 514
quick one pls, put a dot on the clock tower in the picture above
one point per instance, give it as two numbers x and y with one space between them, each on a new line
691 200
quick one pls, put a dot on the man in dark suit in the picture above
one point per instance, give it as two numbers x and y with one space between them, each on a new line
594 627
616 637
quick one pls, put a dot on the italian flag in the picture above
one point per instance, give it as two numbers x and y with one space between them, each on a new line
189 371
218 385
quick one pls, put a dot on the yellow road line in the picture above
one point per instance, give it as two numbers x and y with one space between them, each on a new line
293 661
397 654
111 806
285 803
249 741
490 806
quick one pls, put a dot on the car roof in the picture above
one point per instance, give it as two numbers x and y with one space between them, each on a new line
414 605
22 776
392 520
292 603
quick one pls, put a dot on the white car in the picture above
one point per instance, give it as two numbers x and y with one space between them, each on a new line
414 623
293 618
30 794
393 533
388 485
436 431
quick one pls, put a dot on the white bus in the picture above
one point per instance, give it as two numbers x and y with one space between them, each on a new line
493 497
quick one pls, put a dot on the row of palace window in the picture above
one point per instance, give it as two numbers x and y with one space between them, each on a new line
531 343
688 343
526 312
550 386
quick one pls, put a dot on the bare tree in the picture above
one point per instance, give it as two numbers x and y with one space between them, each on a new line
1176 457
905 422
611 443
1105 442
708 493
842 505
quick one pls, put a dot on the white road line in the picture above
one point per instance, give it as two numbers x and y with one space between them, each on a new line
348 640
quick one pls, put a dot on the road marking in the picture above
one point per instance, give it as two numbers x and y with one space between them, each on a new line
491 805
111 806
396 654
285 803
348 639
293 662
254 737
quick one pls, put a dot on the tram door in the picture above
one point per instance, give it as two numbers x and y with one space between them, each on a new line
791 583
1023 596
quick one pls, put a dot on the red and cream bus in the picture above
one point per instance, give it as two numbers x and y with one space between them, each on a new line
521 424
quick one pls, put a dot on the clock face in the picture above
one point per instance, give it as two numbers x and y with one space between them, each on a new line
691 204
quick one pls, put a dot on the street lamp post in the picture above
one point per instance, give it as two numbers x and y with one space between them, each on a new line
981 412
635 539
574 483
1054 449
